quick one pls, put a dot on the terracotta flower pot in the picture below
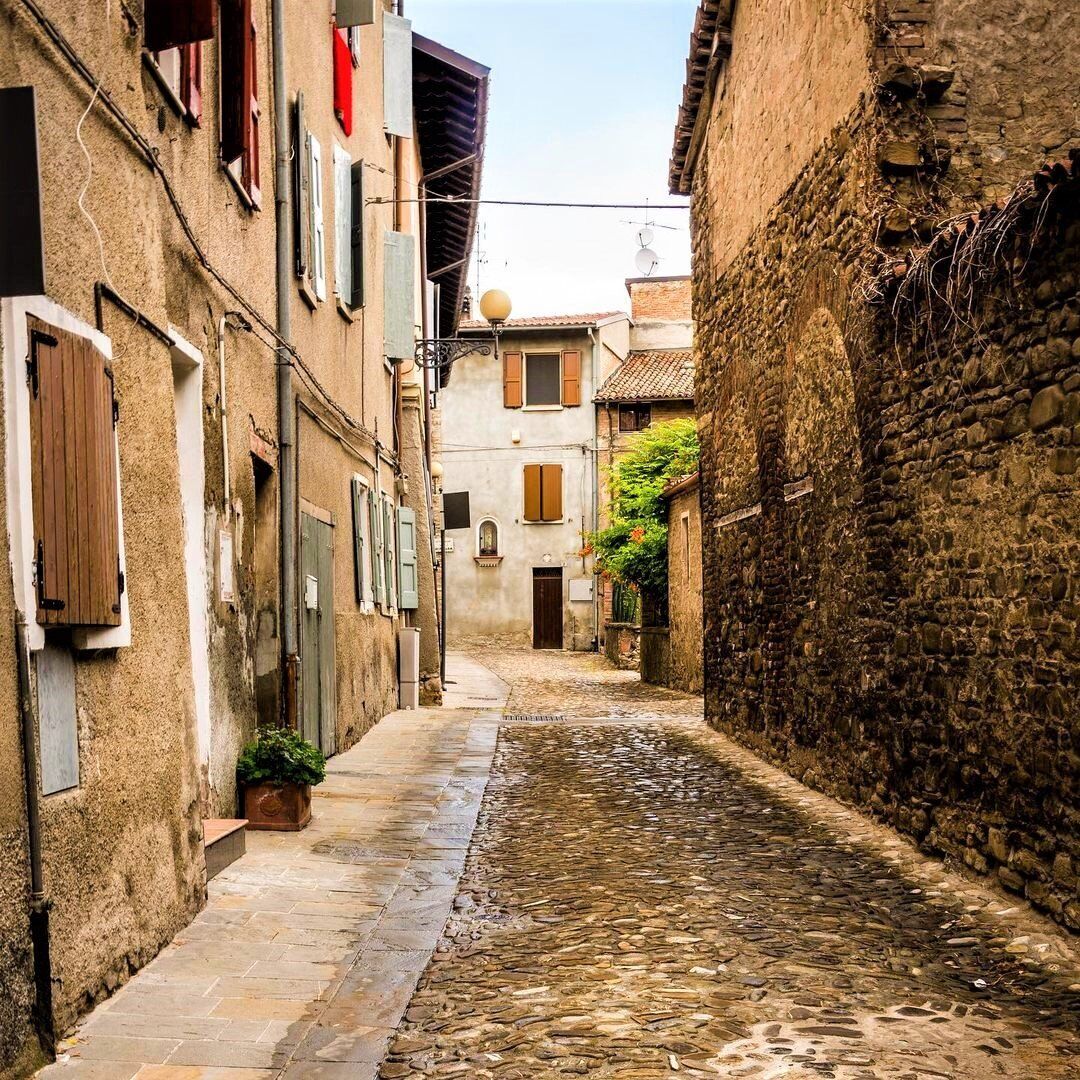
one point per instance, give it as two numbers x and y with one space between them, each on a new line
280 807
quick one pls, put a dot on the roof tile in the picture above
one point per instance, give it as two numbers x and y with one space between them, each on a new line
651 375
590 319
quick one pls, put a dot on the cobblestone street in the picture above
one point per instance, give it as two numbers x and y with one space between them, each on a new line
642 899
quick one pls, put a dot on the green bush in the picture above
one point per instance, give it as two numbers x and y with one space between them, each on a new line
280 756
633 549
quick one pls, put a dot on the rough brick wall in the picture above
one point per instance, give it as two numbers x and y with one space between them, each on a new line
660 298
890 502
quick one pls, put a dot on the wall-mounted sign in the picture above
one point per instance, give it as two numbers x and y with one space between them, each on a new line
455 506
225 567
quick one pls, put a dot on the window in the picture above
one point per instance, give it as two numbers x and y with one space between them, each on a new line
179 71
343 79
75 484
487 538
240 97
634 417
365 595
543 379
543 493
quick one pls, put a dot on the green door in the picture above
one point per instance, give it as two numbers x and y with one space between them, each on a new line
318 688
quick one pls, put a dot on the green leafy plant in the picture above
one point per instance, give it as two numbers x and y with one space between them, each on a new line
633 548
280 756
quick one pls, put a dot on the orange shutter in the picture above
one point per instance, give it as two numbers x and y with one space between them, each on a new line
551 492
532 493
73 466
512 380
571 378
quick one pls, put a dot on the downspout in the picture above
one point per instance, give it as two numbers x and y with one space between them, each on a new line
39 903
595 485
286 404
226 479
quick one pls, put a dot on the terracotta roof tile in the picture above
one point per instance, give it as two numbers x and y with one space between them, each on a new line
590 319
651 375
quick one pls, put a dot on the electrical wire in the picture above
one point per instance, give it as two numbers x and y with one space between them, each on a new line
450 200
86 185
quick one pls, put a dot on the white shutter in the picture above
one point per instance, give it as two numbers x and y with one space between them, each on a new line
377 561
342 225
399 296
397 76
318 235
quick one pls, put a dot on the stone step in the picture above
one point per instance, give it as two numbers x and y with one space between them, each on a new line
225 841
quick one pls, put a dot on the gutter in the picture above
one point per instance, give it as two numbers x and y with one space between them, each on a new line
286 401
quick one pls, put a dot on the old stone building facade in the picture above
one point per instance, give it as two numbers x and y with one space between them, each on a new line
177 158
888 366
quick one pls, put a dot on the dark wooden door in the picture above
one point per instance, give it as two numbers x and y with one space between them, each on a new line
547 608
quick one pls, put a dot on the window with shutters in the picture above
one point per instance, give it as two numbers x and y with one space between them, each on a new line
343 226
543 380
179 72
634 417
77 571
543 501
240 112
365 593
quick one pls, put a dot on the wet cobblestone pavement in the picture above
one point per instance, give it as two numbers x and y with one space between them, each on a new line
634 905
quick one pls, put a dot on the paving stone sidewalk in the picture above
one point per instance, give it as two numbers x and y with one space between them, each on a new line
308 951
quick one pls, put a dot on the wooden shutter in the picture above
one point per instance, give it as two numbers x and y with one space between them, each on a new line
399 296
571 377
359 554
532 493
73 468
191 74
551 492
318 231
407 569
512 380
356 239
377 581
389 556
342 224
168 23
397 76
301 195
237 68
343 84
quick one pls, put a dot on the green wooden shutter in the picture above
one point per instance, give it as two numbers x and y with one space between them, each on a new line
388 554
377 581
359 554
397 76
399 296
343 225
407 571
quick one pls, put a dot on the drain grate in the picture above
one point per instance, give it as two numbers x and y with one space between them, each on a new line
532 718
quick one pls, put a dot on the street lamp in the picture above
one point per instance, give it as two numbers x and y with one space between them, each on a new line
439 354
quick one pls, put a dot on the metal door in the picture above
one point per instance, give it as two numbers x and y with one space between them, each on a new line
547 608
318 686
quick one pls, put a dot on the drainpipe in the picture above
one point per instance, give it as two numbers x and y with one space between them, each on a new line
39 903
286 404
595 484
226 481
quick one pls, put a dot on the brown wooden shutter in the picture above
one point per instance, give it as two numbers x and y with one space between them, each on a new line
512 380
532 493
571 378
73 467
551 492
191 81
169 23
237 67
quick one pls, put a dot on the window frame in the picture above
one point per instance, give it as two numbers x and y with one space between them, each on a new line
244 170
549 406
185 98
636 408
14 351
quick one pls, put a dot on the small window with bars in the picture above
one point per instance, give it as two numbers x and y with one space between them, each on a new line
634 417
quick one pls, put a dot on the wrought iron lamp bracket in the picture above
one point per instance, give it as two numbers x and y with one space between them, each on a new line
439 354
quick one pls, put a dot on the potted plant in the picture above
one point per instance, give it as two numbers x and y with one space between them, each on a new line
277 771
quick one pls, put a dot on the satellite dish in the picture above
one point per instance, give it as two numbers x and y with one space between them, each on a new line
647 261
645 237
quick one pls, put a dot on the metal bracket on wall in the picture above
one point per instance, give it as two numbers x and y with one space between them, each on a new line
439 354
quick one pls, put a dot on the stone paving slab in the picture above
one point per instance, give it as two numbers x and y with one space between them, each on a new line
308 951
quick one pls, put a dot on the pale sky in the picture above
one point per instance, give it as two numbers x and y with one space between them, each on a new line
584 95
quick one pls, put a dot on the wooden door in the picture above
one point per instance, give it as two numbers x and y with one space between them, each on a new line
318 687
547 608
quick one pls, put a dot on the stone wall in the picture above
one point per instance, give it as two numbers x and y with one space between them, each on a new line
621 644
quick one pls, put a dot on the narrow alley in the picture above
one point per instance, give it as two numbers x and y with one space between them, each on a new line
640 897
